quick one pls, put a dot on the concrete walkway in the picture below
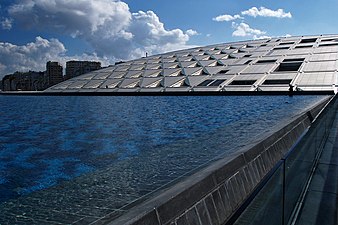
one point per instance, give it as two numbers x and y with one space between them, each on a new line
320 206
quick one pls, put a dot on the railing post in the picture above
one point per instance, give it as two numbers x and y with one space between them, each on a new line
283 193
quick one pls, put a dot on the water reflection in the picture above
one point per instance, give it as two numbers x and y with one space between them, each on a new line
143 142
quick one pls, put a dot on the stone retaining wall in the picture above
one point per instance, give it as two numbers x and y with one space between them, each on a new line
212 195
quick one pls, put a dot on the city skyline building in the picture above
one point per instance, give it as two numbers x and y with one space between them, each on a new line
54 71
77 68
39 81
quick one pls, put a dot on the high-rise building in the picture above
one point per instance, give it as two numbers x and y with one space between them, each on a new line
76 68
54 72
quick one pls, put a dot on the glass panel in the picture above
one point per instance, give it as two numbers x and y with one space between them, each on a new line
217 82
297 171
205 83
294 66
272 82
243 82
267 207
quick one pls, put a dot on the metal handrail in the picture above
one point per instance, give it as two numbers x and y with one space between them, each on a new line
281 165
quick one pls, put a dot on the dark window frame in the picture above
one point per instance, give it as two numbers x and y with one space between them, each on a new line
211 83
288 67
205 83
308 40
328 44
329 39
303 46
223 71
277 82
294 60
243 82
266 61
217 83
287 43
281 48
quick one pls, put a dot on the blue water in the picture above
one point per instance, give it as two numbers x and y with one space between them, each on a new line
45 140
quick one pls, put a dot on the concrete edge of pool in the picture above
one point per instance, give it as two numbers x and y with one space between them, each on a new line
213 194
201 93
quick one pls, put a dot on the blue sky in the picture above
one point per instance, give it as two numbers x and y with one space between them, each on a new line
35 31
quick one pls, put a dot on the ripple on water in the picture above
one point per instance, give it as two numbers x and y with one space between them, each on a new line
48 140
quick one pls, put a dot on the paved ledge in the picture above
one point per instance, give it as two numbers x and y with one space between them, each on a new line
205 93
213 194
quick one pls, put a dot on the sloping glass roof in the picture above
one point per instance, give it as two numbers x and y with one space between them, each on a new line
308 68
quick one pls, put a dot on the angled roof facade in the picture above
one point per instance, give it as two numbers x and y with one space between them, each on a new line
308 63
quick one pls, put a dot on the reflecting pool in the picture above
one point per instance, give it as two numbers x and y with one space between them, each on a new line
108 151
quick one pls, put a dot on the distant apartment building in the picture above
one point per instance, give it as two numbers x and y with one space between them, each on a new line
54 72
76 68
27 81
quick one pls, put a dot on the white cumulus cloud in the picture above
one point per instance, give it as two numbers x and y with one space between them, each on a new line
77 17
255 37
265 12
31 56
107 25
191 32
34 55
226 17
244 30
6 24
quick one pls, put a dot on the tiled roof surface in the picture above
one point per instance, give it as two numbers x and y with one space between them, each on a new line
307 63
